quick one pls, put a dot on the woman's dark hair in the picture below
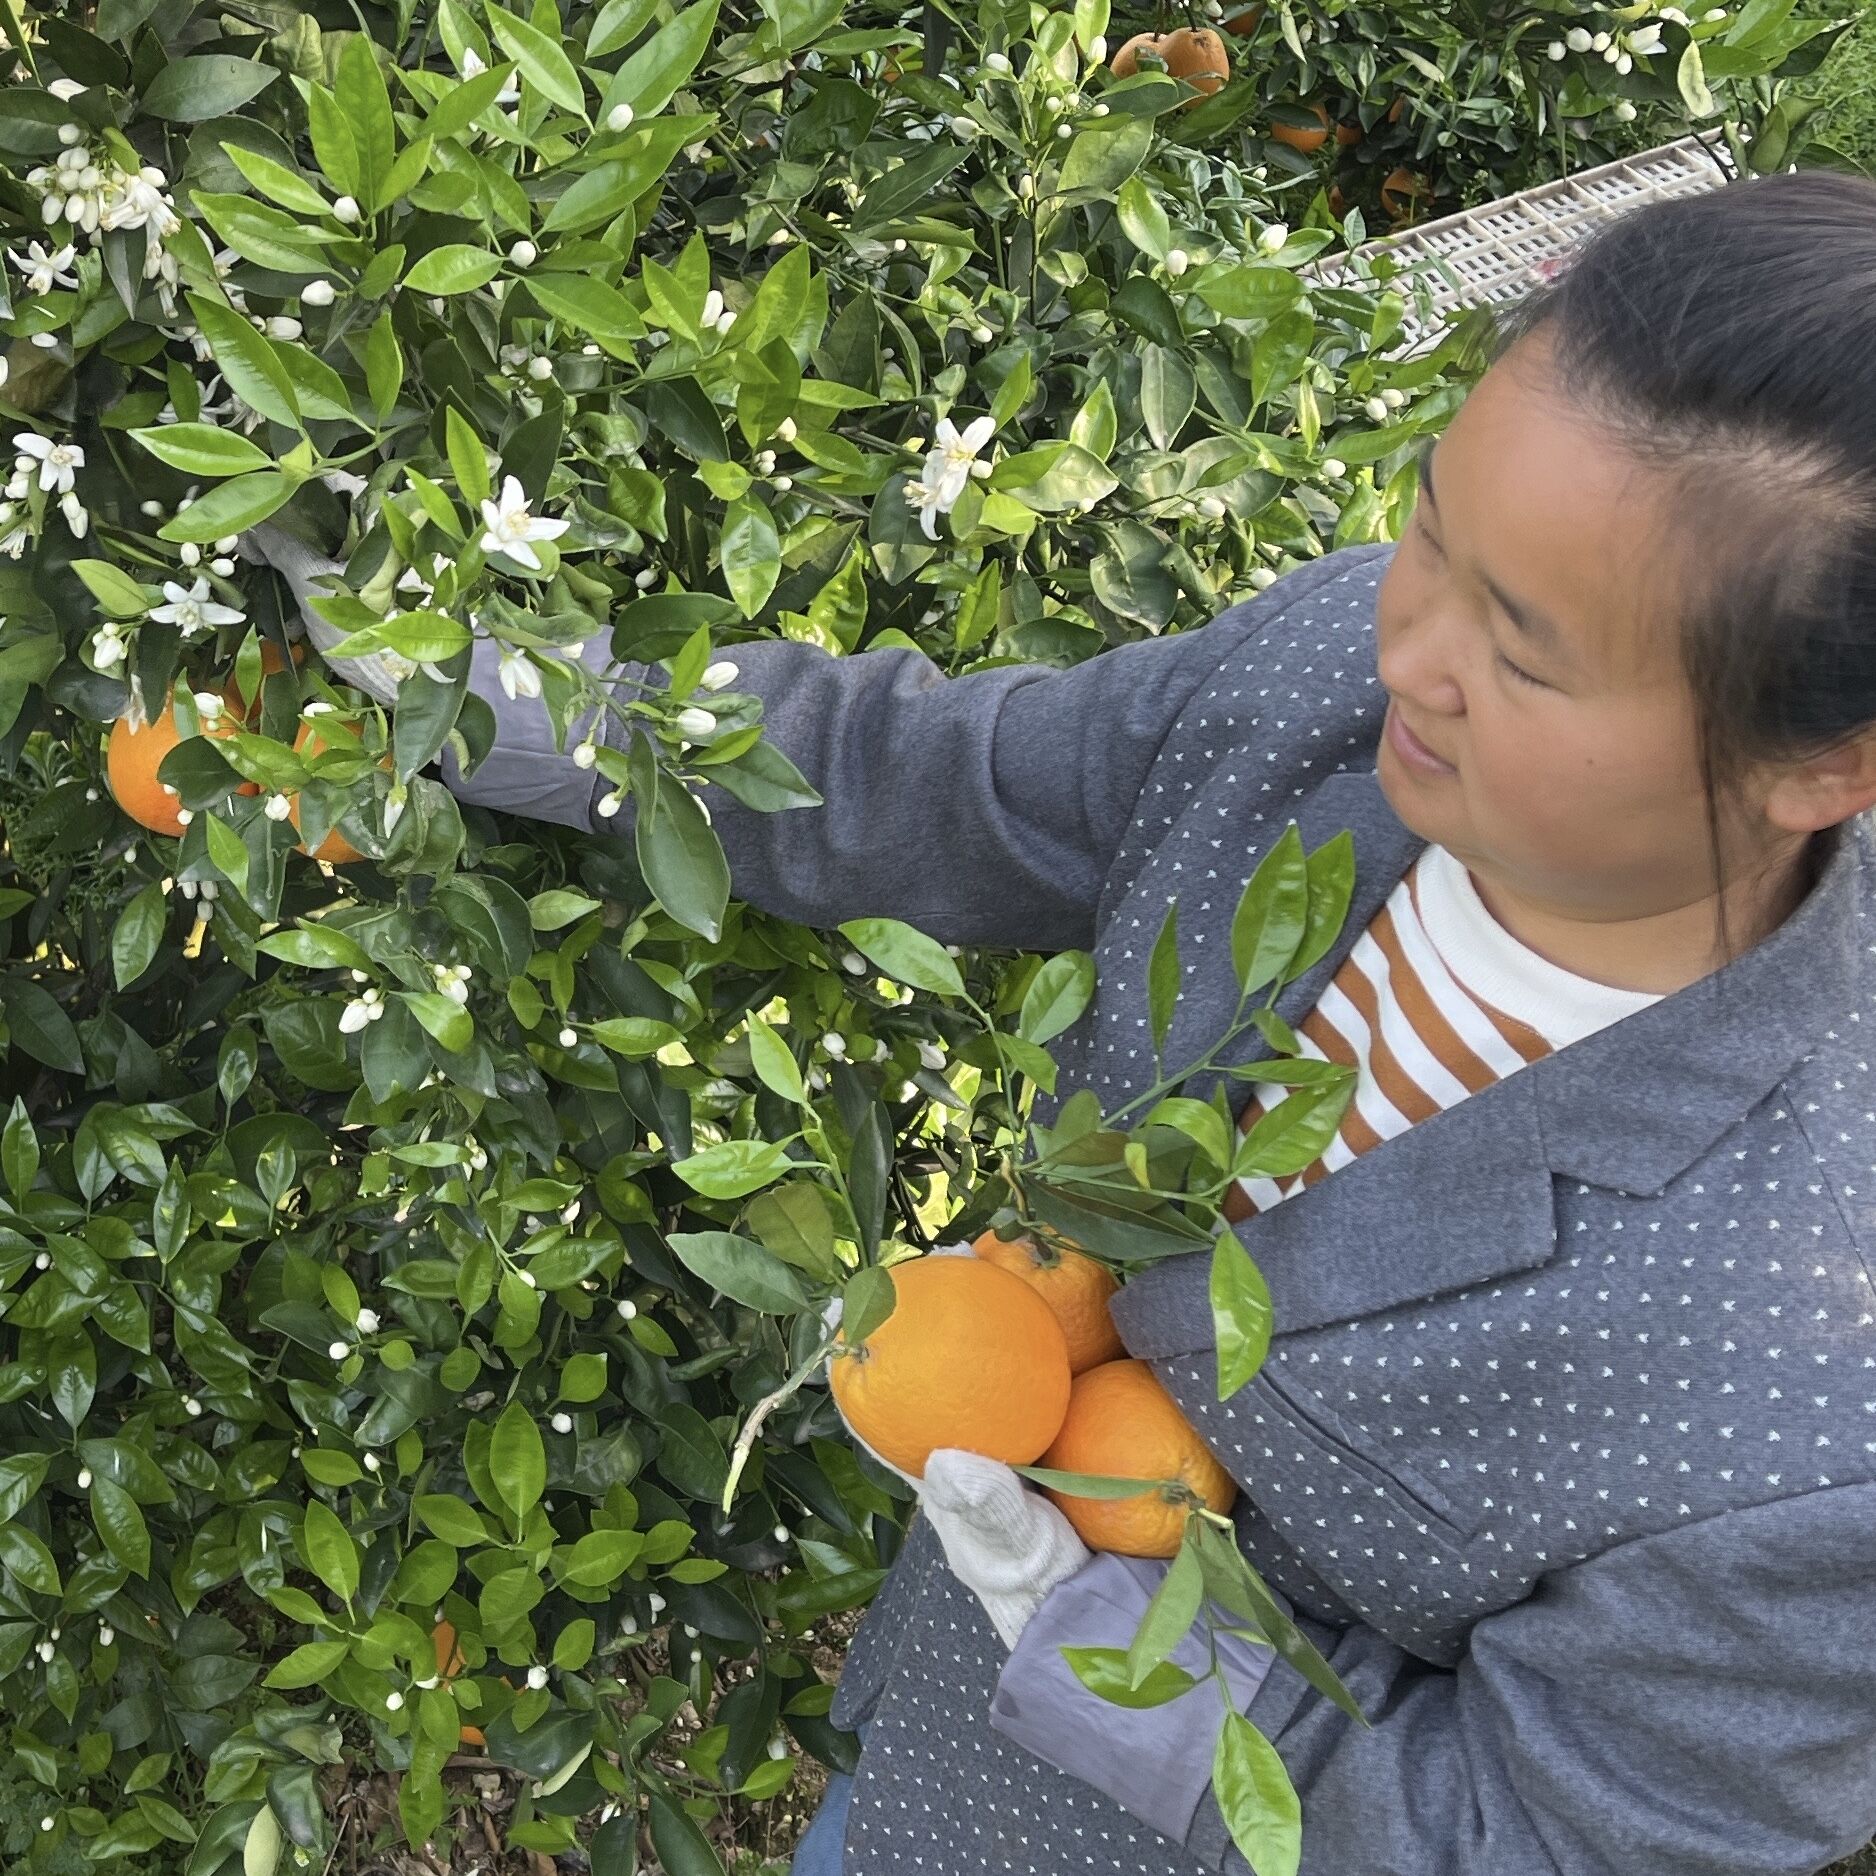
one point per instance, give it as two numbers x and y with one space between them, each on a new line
1729 339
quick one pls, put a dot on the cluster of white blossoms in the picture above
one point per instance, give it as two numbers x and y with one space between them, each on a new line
88 188
950 464
54 468
1622 49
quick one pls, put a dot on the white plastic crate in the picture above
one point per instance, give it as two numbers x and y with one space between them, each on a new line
1495 253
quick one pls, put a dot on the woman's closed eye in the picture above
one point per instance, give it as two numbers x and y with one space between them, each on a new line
1519 672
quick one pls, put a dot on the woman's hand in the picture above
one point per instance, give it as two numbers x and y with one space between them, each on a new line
1008 1545
309 574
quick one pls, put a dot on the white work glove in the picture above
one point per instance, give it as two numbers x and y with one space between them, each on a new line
1008 1545
309 574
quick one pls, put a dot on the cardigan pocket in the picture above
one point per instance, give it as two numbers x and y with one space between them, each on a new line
1344 1466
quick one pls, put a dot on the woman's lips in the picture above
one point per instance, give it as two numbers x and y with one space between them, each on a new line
1411 749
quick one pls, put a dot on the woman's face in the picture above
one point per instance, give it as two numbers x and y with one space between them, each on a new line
1539 723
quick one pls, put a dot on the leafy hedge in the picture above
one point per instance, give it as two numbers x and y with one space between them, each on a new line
321 1327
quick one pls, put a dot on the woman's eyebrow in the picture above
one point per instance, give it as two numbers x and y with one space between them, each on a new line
1533 624
1425 461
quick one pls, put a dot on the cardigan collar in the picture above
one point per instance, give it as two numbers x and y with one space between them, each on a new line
1466 1195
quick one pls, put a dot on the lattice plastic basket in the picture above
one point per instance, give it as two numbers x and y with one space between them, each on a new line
1495 253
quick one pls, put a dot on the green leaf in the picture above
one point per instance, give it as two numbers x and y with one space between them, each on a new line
775 1063
137 934
751 553
1240 1314
228 851
868 1300
203 449
442 1016
518 1461
743 1271
1331 885
1057 996
120 1523
590 306
39 1026
1142 220
1253 290
308 1664
247 360
1087 1484
557 907
905 953
19 1155
682 1849
1691 77
1294 1133
1101 159
1272 915
276 181
468 460
678 850
1259 1803
1103 1671
456 267
543 64
908 187
329 1552
733 1168
600 1558
211 84
650 78
115 591
1169 1616
365 104
232 508
1162 975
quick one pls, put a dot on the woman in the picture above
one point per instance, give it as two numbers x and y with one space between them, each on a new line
1565 1452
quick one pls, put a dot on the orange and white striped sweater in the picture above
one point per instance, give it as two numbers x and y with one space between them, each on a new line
1436 1001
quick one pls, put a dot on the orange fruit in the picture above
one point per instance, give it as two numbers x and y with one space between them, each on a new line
1122 1424
1308 142
1348 134
1074 1286
1403 192
449 1663
970 1356
335 849
132 757
1196 54
1245 23
1394 110
273 660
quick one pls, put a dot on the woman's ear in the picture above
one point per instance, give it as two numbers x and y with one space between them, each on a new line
1822 791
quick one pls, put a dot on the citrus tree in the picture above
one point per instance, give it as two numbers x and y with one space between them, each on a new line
404 1211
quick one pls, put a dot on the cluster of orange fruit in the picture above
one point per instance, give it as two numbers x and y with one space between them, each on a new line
1012 1353
134 754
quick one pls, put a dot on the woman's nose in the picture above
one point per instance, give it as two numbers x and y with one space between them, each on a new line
1415 660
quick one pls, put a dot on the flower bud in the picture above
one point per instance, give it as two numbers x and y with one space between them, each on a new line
1376 409
537 1678
585 755
1177 261
1272 239
318 293
393 1702
84 1478
368 1320
1097 49
338 1351
719 675
694 724
1577 39
346 209
1556 50
1334 468
626 1308
997 63
540 369
562 1423
569 1038
619 117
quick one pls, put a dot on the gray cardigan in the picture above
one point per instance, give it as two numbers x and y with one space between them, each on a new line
1565 1452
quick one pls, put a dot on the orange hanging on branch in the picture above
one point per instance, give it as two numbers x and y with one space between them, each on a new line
1075 1287
971 1357
1194 53
1122 1424
133 756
